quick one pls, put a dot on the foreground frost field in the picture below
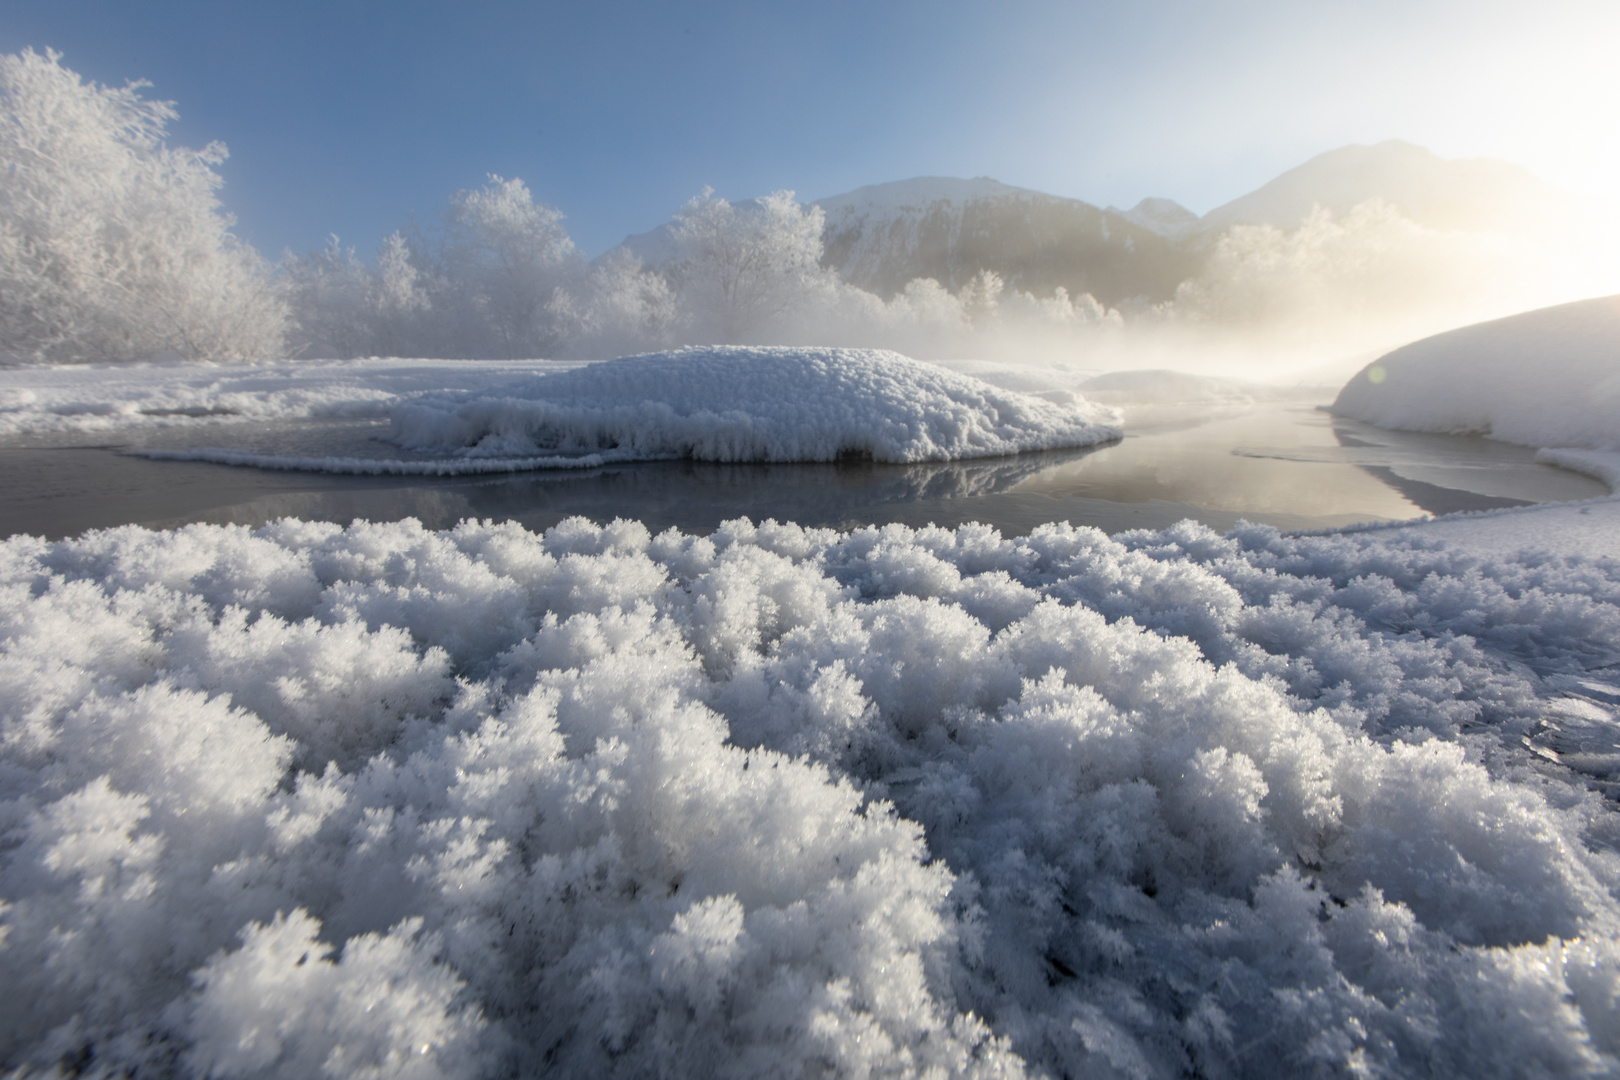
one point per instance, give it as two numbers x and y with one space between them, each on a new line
382 801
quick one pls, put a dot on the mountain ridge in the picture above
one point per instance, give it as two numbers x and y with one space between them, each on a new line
881 236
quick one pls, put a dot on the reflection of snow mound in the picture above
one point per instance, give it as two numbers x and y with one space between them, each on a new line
1545 378
750 404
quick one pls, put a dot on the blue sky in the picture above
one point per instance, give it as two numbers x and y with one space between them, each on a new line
346 117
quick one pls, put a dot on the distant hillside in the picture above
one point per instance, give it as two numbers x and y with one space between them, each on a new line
1470 194
1166 217
881 237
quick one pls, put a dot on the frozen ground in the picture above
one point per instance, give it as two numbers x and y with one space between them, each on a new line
383 801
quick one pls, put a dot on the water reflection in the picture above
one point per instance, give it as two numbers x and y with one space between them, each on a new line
1285 464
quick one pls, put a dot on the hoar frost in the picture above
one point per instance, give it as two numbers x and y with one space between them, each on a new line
750 404
380 801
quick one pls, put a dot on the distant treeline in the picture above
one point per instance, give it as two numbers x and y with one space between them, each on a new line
114 246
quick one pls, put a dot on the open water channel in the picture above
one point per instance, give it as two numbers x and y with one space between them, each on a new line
1286 464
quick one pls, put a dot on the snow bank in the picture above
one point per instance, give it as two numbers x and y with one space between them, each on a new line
750 404
1548 378
72 398
716 404
775 801
1602 464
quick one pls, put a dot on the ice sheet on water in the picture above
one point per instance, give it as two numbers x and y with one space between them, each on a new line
382 800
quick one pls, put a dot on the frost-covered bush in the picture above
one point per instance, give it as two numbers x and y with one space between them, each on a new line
501 258
487 283
740 269
381 801
1356 281
620 308
344 308
112 244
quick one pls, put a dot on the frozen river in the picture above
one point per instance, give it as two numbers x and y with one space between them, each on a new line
1285 464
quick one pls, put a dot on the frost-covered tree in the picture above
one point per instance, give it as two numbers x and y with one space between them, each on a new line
1367 279
489 282
329 291
741 268
113 244
619 308
346 309
502 258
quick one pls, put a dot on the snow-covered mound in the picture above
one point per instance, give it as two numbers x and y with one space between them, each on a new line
749 404
777 802
1547 378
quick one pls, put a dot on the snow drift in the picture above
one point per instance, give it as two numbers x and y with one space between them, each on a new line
39 400
381 801
1547 378
749 404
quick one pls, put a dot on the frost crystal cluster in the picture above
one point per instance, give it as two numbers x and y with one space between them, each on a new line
780 802
731 403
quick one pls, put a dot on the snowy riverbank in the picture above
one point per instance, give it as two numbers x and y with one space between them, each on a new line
603 803
1548 379
460 418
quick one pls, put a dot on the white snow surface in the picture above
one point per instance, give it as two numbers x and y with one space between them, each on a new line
1548 378
380 801
43 399
1587 529
714 404
732 403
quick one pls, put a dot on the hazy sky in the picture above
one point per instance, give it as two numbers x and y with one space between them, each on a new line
347 116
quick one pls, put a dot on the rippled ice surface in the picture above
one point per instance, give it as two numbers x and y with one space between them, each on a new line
1286 464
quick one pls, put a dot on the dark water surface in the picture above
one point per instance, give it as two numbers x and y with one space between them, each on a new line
1289 465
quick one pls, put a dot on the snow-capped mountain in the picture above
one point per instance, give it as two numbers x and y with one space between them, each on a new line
881 237
1471 194
1166 217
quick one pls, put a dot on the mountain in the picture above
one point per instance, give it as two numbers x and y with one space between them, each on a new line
1166 217
1470 194
883 236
